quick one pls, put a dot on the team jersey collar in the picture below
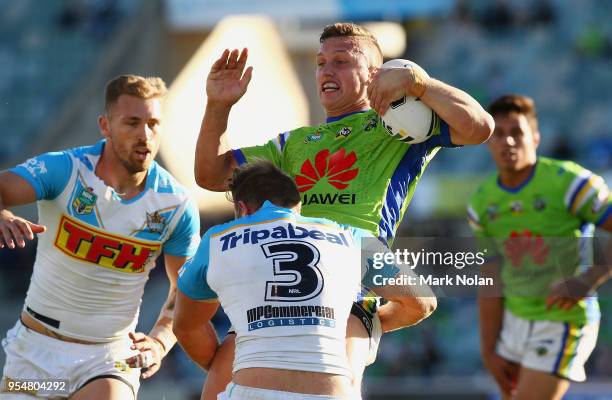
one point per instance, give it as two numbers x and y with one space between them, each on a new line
269 205
339 117
522 184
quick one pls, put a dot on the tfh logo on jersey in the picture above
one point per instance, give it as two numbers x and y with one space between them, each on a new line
115 252
335 169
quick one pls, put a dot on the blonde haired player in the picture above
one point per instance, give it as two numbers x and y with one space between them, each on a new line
106 212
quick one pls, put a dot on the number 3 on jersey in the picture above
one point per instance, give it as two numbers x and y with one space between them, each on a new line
295 264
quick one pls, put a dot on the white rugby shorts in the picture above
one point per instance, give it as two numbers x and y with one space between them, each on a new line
31 355
559 348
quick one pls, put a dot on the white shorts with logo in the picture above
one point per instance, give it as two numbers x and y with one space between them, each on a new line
559 348
30 355
239 392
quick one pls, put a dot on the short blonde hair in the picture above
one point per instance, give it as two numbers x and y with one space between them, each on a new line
134 85
350 29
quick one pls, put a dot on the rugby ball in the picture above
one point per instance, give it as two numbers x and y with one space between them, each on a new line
408 119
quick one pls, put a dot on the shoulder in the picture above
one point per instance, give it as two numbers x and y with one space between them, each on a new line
562 167
321 221
163 182
483 192
563 174
85 155
297 135
356 233
66 157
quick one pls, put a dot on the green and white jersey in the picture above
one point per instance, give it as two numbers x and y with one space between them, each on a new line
350 170
536 229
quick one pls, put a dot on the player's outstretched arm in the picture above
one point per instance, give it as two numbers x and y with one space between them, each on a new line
469 123
14 230
227 82
193 329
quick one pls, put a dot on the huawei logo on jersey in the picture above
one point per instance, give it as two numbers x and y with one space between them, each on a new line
119 253
526 244
335 169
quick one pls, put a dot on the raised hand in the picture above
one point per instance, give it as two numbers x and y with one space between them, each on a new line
14 229
228 80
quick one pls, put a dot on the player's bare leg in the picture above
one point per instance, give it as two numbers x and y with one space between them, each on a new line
538 385
104 389
220 372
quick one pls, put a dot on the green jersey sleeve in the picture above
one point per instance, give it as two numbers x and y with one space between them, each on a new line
587 196
271 151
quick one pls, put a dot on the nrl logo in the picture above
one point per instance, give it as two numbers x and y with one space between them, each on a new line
156 223
85 201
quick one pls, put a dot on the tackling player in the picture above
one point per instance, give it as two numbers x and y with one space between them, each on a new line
106 212
536 336
347 169
287 283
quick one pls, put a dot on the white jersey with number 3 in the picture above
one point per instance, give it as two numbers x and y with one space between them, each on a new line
286 282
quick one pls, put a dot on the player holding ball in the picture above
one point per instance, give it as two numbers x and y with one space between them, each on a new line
348 169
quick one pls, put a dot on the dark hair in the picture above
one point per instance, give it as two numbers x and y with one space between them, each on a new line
260 180
133 85
515 103
350 29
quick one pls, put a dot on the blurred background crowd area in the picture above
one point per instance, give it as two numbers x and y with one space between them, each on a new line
55 57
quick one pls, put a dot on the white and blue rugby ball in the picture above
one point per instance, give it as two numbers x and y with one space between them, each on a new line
408 119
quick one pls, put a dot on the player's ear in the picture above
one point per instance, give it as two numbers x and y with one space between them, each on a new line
242 209
103 124
536 138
